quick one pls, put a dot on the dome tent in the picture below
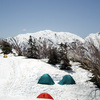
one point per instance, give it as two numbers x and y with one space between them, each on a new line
67 79
45 96
5 55
46 79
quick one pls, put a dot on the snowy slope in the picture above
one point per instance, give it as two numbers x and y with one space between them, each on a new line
50 37
94 38
19 77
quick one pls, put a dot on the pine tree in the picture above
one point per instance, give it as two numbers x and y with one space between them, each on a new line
32 51
35 50
30 48
53 56
6 47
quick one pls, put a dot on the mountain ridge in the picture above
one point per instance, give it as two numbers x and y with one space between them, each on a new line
53 38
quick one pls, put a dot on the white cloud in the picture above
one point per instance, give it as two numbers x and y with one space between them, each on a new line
24 29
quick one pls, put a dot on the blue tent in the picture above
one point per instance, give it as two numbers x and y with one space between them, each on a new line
46 79
67 79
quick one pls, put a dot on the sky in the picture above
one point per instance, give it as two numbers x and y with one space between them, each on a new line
80 17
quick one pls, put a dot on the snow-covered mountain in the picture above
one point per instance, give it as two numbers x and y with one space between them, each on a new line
19 76
93 38
50 37
54 39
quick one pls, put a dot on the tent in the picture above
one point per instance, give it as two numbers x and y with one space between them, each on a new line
46 79
5 55
67 79
45 96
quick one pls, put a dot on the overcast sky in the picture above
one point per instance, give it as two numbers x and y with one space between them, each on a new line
80 17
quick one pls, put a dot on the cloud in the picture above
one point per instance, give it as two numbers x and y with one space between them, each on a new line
24 29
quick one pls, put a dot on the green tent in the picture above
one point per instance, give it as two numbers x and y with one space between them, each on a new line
46 79
67 79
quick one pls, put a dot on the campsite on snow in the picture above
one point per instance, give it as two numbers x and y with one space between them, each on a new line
19 80
60 64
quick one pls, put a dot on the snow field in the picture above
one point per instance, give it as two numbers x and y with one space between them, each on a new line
19 77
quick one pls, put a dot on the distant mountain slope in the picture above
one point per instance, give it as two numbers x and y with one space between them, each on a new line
50 37
54 38
93 38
